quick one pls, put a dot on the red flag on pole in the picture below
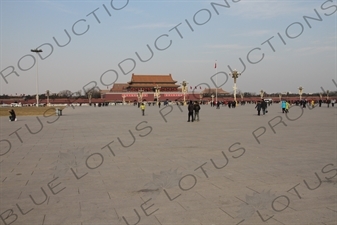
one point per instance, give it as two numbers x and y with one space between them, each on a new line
215 65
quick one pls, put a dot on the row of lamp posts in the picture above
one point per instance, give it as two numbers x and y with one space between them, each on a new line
140 95
300 92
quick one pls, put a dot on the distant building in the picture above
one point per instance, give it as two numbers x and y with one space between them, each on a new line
207 92
147 83
169 89
119 87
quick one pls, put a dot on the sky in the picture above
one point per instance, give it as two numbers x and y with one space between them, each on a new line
270 42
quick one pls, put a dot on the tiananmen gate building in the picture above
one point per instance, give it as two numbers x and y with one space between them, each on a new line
169 89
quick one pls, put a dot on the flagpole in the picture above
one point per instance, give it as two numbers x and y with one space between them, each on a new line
216 81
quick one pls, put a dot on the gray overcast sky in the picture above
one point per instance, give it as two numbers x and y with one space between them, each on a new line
185 37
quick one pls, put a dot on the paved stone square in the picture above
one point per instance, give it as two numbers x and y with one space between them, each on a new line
111 165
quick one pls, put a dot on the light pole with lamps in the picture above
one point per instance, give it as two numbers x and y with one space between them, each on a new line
261 94
140 95
37 51
157 93
300 91
123 96
48 93
184 90
235 74
89 97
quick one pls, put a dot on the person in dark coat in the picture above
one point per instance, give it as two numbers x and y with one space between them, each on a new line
258 107
218 105
320 103
196 111
12 117
190 111
263 106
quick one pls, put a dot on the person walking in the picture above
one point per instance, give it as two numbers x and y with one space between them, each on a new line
287 107
333 101
190 111
263 107
283 106
218 105
12 117
142 107
196 111
258 107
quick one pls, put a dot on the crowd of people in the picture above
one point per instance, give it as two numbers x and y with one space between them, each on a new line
194 107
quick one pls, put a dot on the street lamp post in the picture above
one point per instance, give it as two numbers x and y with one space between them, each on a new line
201 95
157 93
123 96
261 94
37 51
48 93
184 90
300 91
280 96
235 74
241 97
327 94
89 97
212 96
140 95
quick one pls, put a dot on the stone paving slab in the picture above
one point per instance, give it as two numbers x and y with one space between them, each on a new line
111 165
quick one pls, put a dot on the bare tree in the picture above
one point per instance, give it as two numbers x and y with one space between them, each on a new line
94 92
78 93
65 94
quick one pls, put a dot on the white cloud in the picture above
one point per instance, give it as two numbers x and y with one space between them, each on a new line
58 7
316 49
151 26
230 47
272 9
254 33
